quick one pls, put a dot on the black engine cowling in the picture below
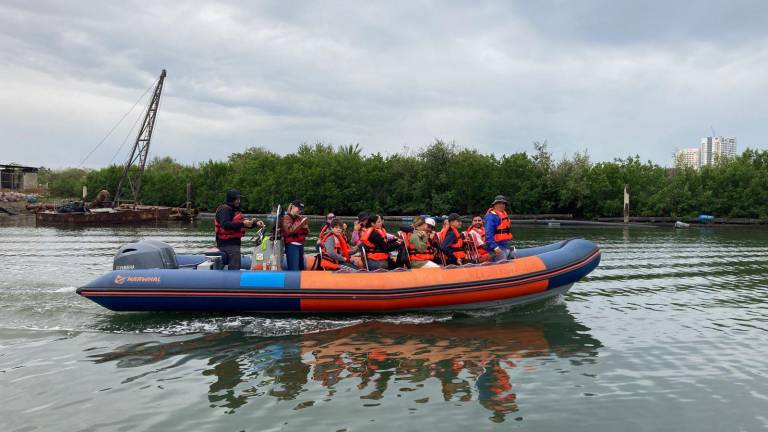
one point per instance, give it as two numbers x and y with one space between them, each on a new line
146 254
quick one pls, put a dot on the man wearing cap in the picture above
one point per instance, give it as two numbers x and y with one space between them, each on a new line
453 243
230 225
294 228
498 229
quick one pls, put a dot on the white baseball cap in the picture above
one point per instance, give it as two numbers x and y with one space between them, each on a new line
430 221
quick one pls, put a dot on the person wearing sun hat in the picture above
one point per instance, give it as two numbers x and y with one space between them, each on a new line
498 229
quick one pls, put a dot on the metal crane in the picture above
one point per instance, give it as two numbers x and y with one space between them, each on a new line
134 167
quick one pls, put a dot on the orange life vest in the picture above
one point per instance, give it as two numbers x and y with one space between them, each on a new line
458 246
372 251
226 234
427 255
324 229
340 246
504 228
479 239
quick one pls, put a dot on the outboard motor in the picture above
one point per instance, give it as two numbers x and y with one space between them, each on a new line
146 254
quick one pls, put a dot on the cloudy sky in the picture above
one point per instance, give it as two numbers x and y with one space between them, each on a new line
610 78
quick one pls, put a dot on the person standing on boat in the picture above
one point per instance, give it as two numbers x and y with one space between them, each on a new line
295 228
230 225
453 243
498 229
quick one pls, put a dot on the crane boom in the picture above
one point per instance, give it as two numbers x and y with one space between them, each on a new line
134 166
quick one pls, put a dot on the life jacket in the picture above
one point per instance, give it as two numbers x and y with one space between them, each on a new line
372 251
504 228
226 234
441 234
340 246
478 236
427 255
325 228
458 246
297 236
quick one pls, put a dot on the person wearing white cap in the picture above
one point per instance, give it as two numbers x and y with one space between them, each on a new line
498 229
432 236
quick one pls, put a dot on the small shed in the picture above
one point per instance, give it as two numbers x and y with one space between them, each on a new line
18 178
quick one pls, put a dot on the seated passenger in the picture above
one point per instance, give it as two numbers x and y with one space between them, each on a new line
441 233
434 241
453 243
420 252
377 247
324 229
357 230
403 259
476 234
335 251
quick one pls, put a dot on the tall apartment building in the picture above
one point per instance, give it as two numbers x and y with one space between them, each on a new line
688 157
715 148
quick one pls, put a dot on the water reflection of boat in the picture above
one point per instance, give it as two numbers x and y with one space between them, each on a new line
468 359
149 276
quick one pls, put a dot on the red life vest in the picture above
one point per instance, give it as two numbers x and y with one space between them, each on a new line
478 238
504 228
340 246
427 255
458 246
373 252
226 234
297 236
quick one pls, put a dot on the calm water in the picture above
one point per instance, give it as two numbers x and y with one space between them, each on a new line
669 333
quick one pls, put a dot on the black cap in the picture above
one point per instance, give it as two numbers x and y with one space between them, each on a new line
453 217
363 216
232 195
297 203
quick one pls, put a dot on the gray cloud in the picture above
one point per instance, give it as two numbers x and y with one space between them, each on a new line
609 78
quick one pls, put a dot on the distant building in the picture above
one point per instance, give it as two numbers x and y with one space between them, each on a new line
714 149
688 157
18 178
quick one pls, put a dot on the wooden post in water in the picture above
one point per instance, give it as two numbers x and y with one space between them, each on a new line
626 204
189 197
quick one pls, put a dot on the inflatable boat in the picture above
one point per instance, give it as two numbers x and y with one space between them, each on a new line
149 276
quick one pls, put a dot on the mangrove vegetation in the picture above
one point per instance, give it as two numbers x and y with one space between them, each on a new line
442 178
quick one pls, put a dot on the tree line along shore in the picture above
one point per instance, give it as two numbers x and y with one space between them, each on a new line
443 178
